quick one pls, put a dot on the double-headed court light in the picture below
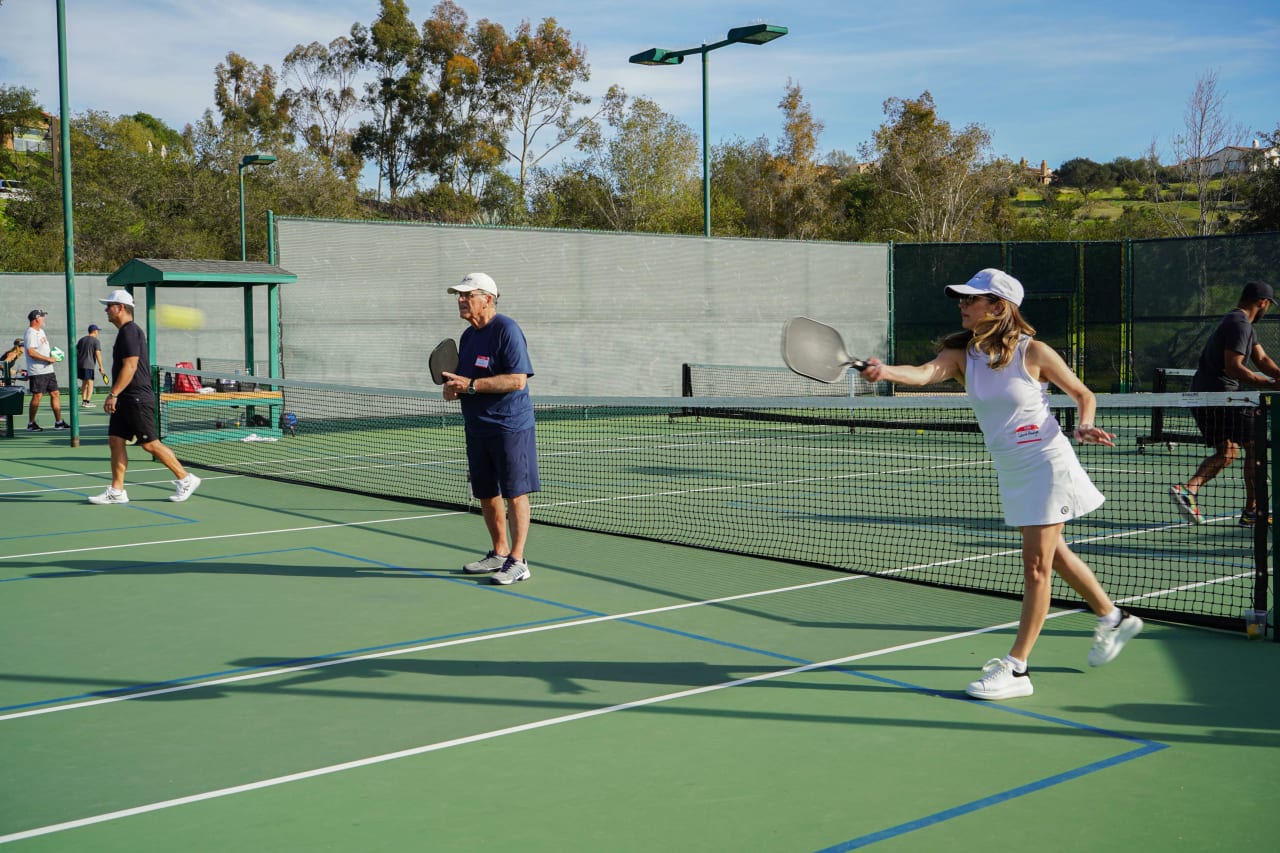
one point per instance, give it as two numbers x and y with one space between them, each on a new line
753 34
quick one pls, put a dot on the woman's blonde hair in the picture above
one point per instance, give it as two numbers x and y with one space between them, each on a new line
996 336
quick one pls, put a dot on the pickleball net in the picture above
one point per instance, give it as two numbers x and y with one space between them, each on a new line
900 487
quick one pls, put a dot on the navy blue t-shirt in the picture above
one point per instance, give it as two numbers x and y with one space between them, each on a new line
1234 333
499 348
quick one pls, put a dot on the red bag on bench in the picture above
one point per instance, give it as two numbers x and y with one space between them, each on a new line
184 383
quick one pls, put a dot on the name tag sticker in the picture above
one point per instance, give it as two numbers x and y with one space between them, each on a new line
482 361
1027 434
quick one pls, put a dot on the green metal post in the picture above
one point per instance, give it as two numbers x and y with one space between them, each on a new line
68 226
240 173
273 301
706 150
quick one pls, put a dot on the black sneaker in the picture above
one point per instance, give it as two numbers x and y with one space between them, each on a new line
1249 517
34 427
62 425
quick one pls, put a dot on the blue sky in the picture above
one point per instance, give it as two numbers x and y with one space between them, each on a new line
1049 80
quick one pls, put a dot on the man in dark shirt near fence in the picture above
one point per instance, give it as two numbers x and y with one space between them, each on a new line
1223 367
131 404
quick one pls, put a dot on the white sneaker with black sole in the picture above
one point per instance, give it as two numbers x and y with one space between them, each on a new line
1107 642
999 681
512 570
110 496
490 562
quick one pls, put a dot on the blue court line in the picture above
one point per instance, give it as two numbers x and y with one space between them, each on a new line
54 573
97 530
1145 747
179 519
994 799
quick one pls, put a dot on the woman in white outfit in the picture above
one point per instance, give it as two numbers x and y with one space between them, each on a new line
1006 372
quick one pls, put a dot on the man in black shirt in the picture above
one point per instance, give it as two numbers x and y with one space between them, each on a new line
131 405
1223 367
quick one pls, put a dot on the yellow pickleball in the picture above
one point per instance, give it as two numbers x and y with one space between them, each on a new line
179 317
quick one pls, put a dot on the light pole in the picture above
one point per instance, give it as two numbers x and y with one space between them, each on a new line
754 34
249 160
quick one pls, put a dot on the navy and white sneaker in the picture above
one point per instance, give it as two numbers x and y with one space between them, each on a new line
512 570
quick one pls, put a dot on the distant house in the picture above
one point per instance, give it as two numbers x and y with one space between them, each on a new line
1239 159
1042 176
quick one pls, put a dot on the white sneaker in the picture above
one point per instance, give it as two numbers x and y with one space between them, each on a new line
999 681
1107 642
186 486
110 496
490 562
512 570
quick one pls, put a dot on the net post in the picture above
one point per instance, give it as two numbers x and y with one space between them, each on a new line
1265 533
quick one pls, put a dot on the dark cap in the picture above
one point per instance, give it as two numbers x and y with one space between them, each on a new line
35 312
1255 290
93 327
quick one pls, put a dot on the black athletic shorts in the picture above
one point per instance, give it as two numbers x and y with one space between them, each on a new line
85 373
1238 424
133 420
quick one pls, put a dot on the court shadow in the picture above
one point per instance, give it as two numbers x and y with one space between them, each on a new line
249 566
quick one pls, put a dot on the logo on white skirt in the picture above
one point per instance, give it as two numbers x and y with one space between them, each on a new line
1066 510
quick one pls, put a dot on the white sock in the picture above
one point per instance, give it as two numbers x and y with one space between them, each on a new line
1018 665
1112 619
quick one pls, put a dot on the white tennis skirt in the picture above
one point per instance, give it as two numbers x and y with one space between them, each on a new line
1045 486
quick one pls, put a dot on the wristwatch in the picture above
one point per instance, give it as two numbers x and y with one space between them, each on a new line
471 389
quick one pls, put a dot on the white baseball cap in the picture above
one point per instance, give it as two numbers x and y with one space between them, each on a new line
475 281
989 282
118 297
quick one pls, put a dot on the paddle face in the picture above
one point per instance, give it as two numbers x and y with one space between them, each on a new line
443 359
816 350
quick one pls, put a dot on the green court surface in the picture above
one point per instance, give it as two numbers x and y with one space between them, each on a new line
278 667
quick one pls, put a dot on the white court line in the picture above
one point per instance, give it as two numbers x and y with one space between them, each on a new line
189 539
483 736
388 653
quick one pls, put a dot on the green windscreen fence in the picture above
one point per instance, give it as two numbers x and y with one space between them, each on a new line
1116 310
1182 288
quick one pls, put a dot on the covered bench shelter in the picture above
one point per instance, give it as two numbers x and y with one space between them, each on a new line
157 273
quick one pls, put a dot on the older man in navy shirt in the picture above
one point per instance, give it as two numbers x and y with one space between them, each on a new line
491 381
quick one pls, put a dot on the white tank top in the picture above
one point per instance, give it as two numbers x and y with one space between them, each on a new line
1011 407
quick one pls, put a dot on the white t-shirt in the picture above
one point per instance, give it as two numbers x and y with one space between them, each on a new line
37 340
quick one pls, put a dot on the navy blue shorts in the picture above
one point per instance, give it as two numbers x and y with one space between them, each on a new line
505 464
85 373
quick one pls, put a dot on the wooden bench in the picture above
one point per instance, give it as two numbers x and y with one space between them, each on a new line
236 427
